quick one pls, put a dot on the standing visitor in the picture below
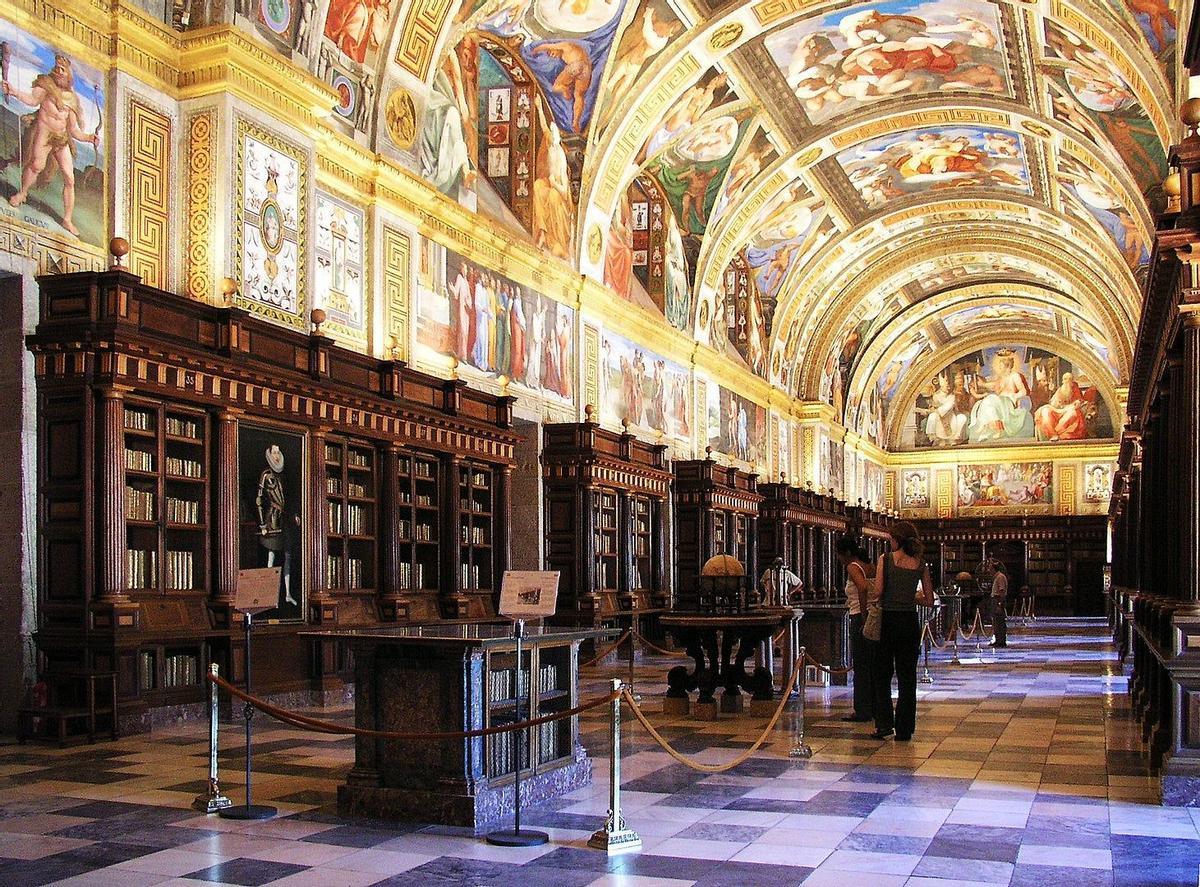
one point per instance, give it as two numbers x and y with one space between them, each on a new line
997 602
898 574
859 572
778 583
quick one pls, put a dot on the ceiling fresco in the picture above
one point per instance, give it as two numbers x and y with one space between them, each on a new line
789 181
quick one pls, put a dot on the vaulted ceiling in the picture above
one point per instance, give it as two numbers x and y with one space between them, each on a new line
830 193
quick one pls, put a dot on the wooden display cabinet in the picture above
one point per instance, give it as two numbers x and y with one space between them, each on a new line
716 512
144 503
606 496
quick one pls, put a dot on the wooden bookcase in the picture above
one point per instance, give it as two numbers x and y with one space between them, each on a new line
147 502
606 499
716 512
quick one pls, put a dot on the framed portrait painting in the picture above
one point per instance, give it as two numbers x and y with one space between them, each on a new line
271 512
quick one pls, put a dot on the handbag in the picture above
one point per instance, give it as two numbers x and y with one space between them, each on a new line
873 624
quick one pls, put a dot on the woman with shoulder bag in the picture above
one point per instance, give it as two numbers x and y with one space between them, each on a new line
902 581
859 571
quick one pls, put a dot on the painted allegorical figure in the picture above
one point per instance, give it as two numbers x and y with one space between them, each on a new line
1065 417
50 141
1001 408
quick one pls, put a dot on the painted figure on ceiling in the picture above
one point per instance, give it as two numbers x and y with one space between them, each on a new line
642 42
552 213
355 26
618 258
49 142
1002 403
1065 417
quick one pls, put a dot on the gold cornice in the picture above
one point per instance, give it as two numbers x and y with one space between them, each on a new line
1045 452
223 59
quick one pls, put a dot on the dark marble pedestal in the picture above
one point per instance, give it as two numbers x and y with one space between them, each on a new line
825 635
437 679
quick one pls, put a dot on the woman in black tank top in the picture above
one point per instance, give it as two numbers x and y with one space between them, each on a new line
901 582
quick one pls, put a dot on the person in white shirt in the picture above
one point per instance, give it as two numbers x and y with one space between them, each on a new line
998 599
778 583
859 572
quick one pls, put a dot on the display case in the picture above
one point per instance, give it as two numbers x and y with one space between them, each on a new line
716 512
606 497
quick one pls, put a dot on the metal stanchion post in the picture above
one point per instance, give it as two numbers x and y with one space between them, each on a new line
927 639
632 634
957 620
249 810
800 748
212 800
519 837
978 625
615 837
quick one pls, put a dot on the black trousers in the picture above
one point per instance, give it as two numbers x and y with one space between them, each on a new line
862 652
999 622
896 654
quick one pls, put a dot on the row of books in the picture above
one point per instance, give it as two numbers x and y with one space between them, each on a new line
182 511
354 488
180 570
357 523
407 573
139 460
141 568
358 459
333 485
180 670
423 533
138 420
424 499
344 572
479 479
184 467
501 748
139 504
474 535
502 681
470 576
472 505
178 427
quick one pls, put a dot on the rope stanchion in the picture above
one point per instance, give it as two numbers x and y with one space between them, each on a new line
615 837
318 726
211 800
797 671
626 634
801 749
925 643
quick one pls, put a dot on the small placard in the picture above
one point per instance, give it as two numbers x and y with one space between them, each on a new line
528 594
257 590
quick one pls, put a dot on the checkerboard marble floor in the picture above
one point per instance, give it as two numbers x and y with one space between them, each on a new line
1026 769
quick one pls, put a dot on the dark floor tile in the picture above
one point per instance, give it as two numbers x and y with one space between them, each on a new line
579 822
354 836
35 872
577 858
766 805
468 871
652 866
714 797
1054 876
843 803
749 874
715 831
885 843
247 872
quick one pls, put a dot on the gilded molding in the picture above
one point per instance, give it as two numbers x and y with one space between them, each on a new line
201 173
397 294
149 192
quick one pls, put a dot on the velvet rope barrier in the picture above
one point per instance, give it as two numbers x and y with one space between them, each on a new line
626 634
826 668
977 625
318 726
657 649
740 759
928 632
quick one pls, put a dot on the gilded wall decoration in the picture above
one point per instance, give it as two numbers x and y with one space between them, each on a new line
149 193
1066 489
914 488
52 134
201 147
1097 482
397 259
419 35
271 181
339 281
945 493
